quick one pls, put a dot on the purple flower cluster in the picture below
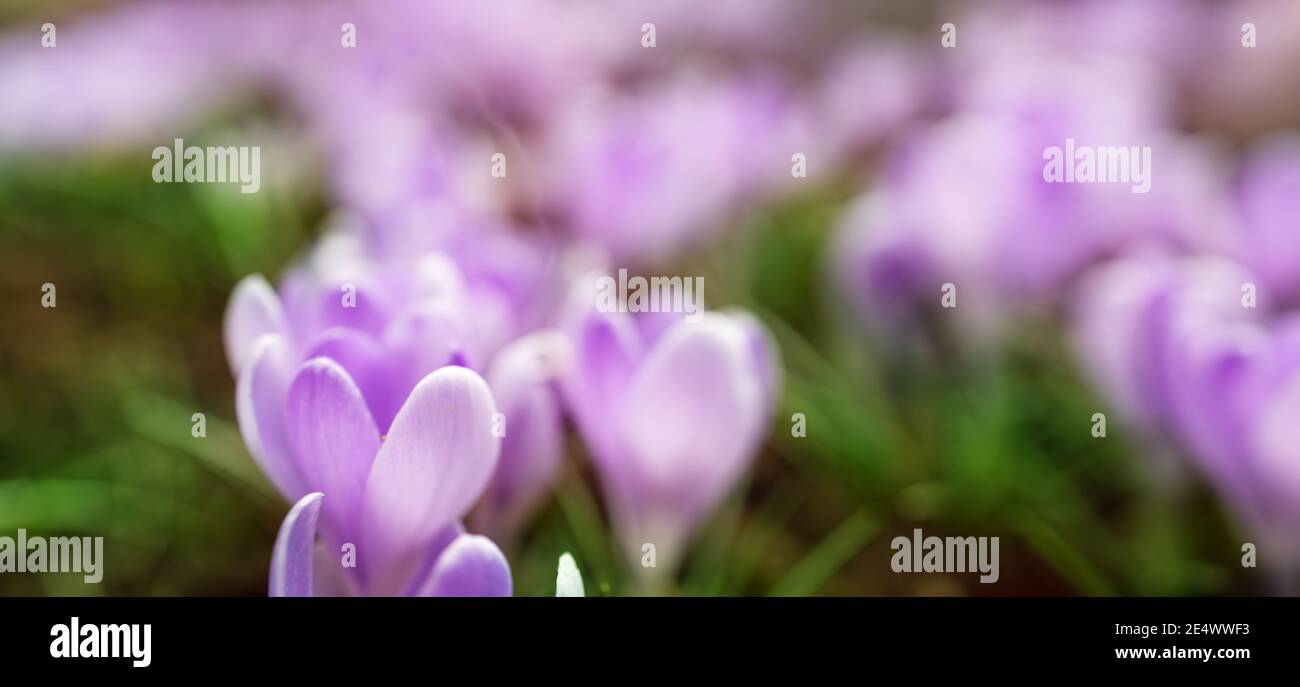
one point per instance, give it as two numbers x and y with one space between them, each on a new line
1178 297
357 381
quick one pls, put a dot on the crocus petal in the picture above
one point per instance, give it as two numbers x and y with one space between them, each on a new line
334 440
520 378
260 397
606 344
606 348
254 310
1115 321
1274 444
424 336
471 566
292 558
430 556
1269 198
433 466
764 354
367 364
347 293
882 266
568 581
437 277
1133 314
695 404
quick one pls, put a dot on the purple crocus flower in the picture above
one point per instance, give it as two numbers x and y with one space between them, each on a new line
1269 401
672 410
344 388
964 203
415 308
881 267
1130 313
394 502
398 482
1171 342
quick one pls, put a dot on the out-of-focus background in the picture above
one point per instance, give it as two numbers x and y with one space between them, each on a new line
975 427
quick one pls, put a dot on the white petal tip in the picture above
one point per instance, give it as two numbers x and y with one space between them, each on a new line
568 581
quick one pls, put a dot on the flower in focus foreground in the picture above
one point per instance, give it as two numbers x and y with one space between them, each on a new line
396 500
352 385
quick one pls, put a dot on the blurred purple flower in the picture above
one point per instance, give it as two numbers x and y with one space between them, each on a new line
879 265
672 410
870 89
644 174
1131 312
1172 343
523 377
964 201
121 77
